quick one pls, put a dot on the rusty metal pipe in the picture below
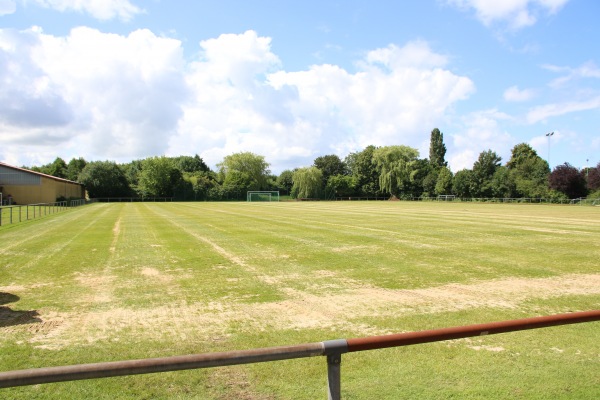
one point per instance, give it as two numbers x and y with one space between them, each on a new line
436 335
150 365
327 348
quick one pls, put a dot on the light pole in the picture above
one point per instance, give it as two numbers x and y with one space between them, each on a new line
548 136
587 169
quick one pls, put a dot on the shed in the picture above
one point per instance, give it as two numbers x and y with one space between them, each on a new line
23 186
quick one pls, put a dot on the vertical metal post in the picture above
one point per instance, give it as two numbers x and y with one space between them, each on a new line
334 349
334 362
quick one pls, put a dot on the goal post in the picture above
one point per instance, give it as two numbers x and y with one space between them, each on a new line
262 195
446 197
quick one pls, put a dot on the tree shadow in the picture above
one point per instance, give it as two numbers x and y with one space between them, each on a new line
10 317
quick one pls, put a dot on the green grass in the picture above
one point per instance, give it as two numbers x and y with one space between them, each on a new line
121 281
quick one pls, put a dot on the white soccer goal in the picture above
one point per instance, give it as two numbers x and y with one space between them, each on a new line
446 197
262 195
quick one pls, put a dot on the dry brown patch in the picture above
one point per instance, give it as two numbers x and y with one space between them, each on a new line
555 231
345 249
300 310
13 288
116 231
150 271
100 287
156 274
495 349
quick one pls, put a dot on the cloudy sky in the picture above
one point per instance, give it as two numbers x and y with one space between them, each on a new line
293 80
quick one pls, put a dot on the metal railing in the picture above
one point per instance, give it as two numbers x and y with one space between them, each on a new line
456 199
332 349
19 213
131 199
520 200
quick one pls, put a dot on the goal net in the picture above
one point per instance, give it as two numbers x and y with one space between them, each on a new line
269 195
446 197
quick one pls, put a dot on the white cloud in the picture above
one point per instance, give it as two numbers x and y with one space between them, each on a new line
108 96
541 113
515 94
516 14
104 96
292 117
7 7
481 132
99 9
586 70
413 54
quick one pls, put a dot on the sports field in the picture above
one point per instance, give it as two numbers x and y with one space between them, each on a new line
119 281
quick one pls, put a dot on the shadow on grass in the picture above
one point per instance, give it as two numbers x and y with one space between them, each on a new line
10 317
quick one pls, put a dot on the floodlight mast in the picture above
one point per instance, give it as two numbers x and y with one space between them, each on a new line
548 136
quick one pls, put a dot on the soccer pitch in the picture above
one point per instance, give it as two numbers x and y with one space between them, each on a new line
110 282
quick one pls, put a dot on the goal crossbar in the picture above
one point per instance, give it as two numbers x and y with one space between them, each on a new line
262 195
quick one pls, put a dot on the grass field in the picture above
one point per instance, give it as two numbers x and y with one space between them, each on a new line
111 282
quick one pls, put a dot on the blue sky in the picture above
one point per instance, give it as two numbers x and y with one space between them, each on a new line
127 79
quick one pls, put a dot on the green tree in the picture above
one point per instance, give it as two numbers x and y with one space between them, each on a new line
191 164
285 181
245 171
502 183
204 185
56 168
104 179
443 184
520 154
132 172
483 172
159 177
462 183
74 168
308 183
430 181
330 165
363 168
419 179
528 171
341 185
395 165
437 150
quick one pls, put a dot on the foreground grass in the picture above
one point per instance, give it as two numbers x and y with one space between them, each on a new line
123 281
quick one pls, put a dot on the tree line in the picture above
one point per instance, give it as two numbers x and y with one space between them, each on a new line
385 171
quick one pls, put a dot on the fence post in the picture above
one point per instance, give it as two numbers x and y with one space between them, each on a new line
334 349
334 390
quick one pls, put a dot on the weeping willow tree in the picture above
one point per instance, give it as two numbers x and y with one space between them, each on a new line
395 165
308 183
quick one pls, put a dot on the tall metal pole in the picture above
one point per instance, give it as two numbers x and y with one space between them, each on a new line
548 136
587 169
